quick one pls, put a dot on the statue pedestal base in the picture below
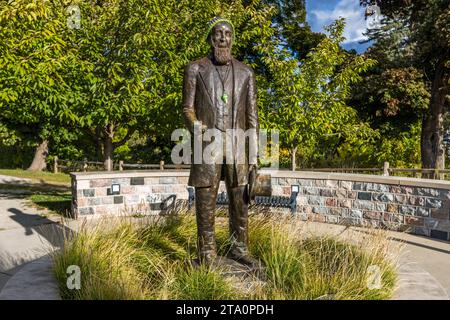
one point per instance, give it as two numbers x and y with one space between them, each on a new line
228 267
242 278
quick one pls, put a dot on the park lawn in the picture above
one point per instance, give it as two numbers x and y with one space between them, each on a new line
39 176
47 190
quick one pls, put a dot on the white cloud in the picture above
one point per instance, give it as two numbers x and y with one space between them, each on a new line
354 19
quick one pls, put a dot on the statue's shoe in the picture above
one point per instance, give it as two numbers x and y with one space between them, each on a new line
247 260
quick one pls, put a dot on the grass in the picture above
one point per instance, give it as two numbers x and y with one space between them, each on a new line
125 260
55 201
38 176
46 190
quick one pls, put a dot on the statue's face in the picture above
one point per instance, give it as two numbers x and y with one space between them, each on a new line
222 35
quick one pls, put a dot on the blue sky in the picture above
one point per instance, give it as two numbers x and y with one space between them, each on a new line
320 13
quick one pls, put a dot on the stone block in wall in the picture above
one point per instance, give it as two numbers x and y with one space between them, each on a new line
318 217
402 189
393 218
118 199
373 215
362 204
286 190
316 201
282 181
168 180
433 203
277 190
345 203
380 206
335 211
444 194
128 190
159 189
360 186
179 188
83 184
414 221
416 201
137 181
332 219
320 210
352 213
305 182
97 183
307 209
346 185
131 199
311 191
327 192
88 193
291 181
121 181
428 192
327 183
302 200
392 208
422 212
85 211
400 198
152 181
382 197
183 180
341 193
101 192
407 210
330 202
82 202
94 201
351 194
319 183
103 210
377 187
364 195
107 200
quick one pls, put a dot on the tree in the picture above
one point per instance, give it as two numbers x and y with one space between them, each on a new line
130 56
33 56
423 27
311 95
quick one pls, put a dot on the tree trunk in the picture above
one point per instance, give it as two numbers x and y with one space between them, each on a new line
293 159
40 157
432 147
108 153
108 148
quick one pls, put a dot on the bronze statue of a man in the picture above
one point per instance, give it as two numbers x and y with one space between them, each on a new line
219 93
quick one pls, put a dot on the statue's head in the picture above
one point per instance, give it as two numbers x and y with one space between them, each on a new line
220 37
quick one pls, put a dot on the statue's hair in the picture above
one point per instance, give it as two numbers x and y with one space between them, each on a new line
216 21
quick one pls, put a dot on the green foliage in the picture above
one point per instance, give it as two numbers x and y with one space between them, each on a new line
310 95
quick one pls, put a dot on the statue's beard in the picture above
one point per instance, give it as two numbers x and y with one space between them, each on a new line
222 55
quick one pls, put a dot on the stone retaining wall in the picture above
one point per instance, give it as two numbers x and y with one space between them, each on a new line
418 205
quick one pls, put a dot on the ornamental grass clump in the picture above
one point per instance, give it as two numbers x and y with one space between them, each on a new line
149 258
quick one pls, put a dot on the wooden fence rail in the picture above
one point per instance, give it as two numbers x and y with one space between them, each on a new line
84 165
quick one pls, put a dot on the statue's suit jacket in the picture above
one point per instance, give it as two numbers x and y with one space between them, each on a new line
198 105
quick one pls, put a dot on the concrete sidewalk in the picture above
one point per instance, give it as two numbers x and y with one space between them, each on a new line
25 235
